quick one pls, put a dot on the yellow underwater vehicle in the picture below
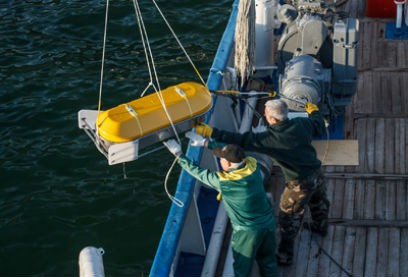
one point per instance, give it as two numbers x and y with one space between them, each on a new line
120 133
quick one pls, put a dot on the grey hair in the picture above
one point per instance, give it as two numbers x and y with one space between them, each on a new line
277 109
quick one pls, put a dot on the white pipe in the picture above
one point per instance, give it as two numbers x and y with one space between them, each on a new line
214 248
406 12
400 8
90 262
246 123
228 270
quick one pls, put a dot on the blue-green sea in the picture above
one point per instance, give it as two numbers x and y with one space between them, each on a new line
57 192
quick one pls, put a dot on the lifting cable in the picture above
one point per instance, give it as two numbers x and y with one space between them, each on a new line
179 43
102 68
151 66
152 71
147 49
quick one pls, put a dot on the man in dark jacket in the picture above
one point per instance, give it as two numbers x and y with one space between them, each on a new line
288 143
245 202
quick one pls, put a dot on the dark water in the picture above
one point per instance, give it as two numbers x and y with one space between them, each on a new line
57 192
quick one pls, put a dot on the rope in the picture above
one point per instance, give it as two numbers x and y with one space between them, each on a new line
173 199
103 61
179 43
326 151
321 249
251 93
245 39
134 114
185 98
143 35
147 48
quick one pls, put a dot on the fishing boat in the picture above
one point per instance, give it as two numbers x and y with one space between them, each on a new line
330 53
363 153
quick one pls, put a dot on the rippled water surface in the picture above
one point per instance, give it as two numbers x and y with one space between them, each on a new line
57 192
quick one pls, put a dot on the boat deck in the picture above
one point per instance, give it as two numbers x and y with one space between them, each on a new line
368 230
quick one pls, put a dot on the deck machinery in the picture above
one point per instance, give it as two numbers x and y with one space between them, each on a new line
317 55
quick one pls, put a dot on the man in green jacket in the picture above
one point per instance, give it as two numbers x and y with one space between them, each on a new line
288 143
245 202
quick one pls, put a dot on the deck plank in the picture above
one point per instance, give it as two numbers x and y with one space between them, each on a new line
305 241
324 260
382 249
348 253
403 258
359 252
337 251
401 201
314 255
371 252
393 252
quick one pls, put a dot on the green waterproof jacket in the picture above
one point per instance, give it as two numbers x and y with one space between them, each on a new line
288 143
242 191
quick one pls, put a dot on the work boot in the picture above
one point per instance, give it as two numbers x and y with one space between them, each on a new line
285 253
318 228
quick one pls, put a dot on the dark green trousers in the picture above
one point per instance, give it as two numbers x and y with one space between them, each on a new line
251 245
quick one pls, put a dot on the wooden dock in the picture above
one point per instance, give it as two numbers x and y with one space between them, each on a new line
368 230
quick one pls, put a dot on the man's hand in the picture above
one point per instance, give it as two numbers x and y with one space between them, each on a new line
204 130
174 147
310 107
196 139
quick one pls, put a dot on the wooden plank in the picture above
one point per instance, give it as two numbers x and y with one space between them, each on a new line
348 253
382 249
381 223
337 152
402 55
395 92
389 146
369 200
382 92
364 60
380 201
371 253
390 59
404 88
370 145
403 249
400 145
349 200
291 270
393 252
366 176
403 146
359 252
359 200
314 255
379 143
401 201
383 104
304 241
349 119
390 200
367 97
337 204
337 251
324 260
